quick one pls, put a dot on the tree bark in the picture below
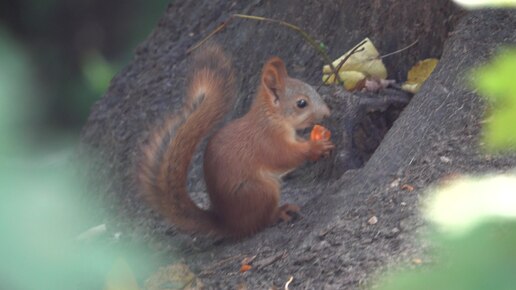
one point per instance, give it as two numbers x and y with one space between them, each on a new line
332 245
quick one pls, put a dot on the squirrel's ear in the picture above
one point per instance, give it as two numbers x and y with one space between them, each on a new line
274 76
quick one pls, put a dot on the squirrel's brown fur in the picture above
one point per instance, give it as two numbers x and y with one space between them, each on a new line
244 161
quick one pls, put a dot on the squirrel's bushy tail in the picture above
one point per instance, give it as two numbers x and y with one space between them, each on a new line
167 155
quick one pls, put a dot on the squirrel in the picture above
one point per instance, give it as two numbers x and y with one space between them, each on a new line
244 161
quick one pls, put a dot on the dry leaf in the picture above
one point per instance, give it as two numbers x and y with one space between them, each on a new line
373 220
407 187
418 74
366 61
245 268
361 65
352 79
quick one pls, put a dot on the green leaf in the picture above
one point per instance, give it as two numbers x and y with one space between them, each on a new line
496 82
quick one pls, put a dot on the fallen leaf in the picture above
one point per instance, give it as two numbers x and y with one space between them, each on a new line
418 74
364 63
352 79
407 187
410 87
245 268
367 61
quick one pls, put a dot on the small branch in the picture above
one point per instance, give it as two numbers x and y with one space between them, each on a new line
400 50
215 31
316 45
300 31
355 49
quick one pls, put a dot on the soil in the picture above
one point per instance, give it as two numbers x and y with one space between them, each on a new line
357 216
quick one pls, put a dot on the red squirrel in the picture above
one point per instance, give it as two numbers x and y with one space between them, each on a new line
244 161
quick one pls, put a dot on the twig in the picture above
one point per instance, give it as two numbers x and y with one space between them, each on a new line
288 282
300 31
400 50
215 31
320 49
355 49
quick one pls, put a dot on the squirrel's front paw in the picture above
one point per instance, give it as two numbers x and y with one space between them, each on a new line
320 149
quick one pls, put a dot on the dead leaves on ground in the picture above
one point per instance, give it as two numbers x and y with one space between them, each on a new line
418 74
362 69
356 66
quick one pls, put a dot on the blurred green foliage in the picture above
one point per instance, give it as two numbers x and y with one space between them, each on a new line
43 205
38 218
74 49
483 259
497 82
98 72
13 93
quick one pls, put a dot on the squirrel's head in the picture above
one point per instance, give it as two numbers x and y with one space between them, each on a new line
291 99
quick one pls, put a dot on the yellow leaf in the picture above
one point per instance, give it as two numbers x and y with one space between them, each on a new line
410 87
350 78
418 74
366 61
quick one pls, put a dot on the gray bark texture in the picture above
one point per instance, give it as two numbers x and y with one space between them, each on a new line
331 245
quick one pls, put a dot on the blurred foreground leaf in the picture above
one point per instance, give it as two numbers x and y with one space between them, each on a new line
121 277
483 259
98 72
486 3
496 81
42 204
473 229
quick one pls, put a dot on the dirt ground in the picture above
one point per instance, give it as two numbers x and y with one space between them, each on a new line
357 216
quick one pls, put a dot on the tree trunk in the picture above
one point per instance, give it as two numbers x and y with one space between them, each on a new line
332 245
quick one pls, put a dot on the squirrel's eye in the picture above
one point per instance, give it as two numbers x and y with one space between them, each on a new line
301 103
